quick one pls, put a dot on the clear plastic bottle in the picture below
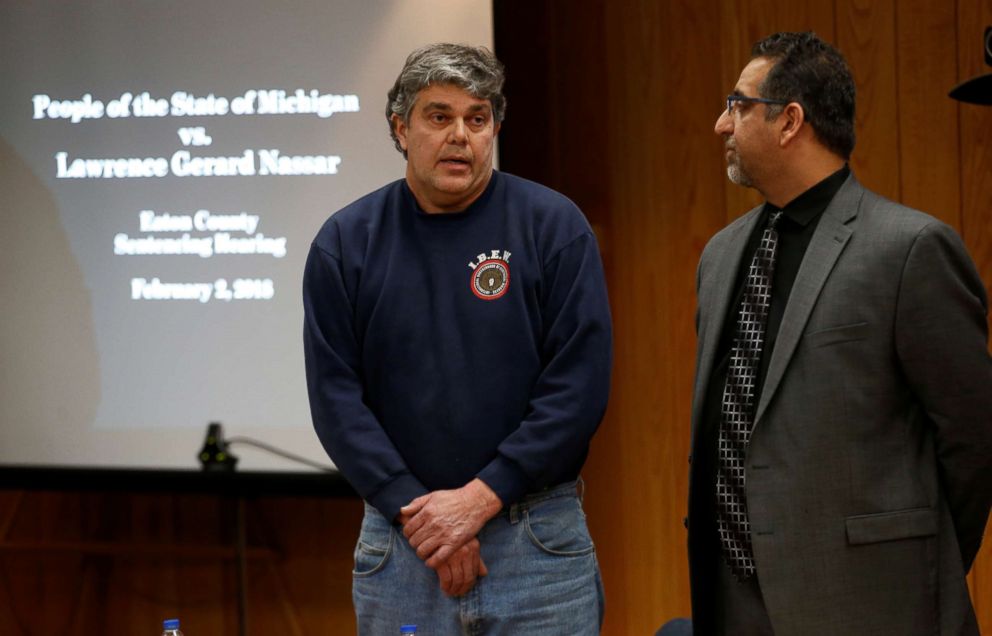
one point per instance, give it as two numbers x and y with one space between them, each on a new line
408 629
170 627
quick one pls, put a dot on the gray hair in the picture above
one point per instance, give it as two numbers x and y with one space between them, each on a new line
472 68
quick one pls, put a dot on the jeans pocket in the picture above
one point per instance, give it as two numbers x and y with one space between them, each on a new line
375 544
558 527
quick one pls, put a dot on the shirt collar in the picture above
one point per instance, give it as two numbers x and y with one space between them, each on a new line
810 204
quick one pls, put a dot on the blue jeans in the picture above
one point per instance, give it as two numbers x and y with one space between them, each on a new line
543 576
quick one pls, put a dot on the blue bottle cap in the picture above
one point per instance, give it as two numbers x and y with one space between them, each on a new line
170 623
408 629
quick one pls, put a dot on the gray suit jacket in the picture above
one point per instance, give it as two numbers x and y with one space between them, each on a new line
869 471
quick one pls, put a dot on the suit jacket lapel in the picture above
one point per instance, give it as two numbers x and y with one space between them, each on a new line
829 239
715 304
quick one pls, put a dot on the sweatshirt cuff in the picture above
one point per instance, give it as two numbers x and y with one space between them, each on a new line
395 494
506 479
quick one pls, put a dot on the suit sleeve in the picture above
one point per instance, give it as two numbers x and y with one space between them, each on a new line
569 397
941 341
347 428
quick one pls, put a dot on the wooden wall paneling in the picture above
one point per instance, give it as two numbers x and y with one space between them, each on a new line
556 129
980 581
523 42
580 123
168 574
630 590
975 145
39 593
975 138
73 563
926 54
557 114
666 200
743 24
580 111
40 590
196 589
10 503
866 37
559 118
315 540
628 146
736 40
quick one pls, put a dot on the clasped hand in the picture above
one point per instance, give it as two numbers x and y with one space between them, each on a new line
442 527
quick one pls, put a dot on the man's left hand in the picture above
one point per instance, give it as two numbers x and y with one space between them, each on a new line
459 574
440 522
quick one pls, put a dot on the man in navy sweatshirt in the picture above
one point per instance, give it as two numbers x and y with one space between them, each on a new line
458 349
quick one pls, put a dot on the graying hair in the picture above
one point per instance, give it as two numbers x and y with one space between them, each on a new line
472 68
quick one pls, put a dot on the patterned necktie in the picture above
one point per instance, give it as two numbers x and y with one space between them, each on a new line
739 396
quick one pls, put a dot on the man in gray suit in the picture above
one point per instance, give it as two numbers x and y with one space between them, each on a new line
840 473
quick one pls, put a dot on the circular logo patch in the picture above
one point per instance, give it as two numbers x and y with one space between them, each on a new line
490 279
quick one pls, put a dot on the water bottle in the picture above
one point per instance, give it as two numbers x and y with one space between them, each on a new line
170 627
408 629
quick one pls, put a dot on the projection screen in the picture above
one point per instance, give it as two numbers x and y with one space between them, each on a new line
163 168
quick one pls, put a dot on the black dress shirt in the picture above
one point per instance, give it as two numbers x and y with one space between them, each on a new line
795 229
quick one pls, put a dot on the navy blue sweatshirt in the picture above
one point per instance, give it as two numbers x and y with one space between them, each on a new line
444 347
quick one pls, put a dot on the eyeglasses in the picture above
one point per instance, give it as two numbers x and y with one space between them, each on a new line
751 100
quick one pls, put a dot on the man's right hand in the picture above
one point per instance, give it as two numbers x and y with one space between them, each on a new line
460 572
